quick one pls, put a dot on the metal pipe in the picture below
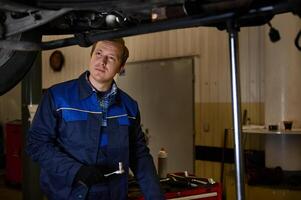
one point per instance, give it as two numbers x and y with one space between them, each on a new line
236 109
195 21
16 7
187 22
191 21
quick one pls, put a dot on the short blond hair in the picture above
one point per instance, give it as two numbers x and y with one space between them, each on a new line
125 53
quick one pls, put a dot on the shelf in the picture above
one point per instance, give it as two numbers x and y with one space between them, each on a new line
268 132
279 146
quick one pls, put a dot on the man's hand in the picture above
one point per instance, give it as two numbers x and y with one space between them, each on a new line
89 175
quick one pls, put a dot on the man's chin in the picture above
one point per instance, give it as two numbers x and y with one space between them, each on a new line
100 80
96 78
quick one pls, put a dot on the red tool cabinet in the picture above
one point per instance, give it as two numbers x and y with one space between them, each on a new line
202 192
211 192
13 147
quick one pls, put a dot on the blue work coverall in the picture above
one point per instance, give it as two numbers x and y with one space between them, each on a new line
66 133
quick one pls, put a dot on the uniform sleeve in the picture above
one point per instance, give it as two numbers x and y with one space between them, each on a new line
142 165
42 145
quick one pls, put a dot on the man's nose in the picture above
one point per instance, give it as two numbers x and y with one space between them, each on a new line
104 60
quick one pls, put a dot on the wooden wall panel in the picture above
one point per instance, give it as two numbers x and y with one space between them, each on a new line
212 78
251 64
76 61
214 118
208 44
167 44
282 65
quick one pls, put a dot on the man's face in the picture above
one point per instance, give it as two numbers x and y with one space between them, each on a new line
105 62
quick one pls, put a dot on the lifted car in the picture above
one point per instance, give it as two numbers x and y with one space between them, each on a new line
23 22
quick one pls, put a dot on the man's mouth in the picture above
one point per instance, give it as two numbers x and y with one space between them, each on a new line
99 68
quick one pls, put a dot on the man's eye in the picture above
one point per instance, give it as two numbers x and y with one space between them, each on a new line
112 58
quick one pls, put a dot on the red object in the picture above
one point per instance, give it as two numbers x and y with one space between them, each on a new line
211 192
13 169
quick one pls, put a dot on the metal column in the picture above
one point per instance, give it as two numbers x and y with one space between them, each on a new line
31 94
236 109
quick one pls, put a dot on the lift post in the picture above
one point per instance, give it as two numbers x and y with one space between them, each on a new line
233 30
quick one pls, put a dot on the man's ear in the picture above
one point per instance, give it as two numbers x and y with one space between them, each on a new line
122 70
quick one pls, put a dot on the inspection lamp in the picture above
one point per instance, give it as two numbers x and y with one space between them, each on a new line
274 33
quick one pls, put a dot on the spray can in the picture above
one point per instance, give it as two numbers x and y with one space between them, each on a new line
162 163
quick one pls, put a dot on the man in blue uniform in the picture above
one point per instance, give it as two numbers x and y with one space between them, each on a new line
85 127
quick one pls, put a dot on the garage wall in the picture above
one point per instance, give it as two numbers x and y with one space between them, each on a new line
212 82
212 85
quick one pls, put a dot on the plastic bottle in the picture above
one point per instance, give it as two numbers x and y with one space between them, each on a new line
162 163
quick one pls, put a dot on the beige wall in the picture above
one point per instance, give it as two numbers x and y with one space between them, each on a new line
76 60
282 75
208 45
212 78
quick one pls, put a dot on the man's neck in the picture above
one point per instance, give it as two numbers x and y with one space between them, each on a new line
101 87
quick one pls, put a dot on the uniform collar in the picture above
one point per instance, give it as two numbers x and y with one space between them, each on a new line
86 89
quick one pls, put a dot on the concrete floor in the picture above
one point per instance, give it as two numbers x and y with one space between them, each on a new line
8 192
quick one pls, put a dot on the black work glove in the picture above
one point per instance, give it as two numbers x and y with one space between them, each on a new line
89 175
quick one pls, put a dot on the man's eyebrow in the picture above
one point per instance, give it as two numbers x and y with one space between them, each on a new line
113 55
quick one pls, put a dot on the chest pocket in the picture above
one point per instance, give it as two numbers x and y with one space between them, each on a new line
123 121
70 115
